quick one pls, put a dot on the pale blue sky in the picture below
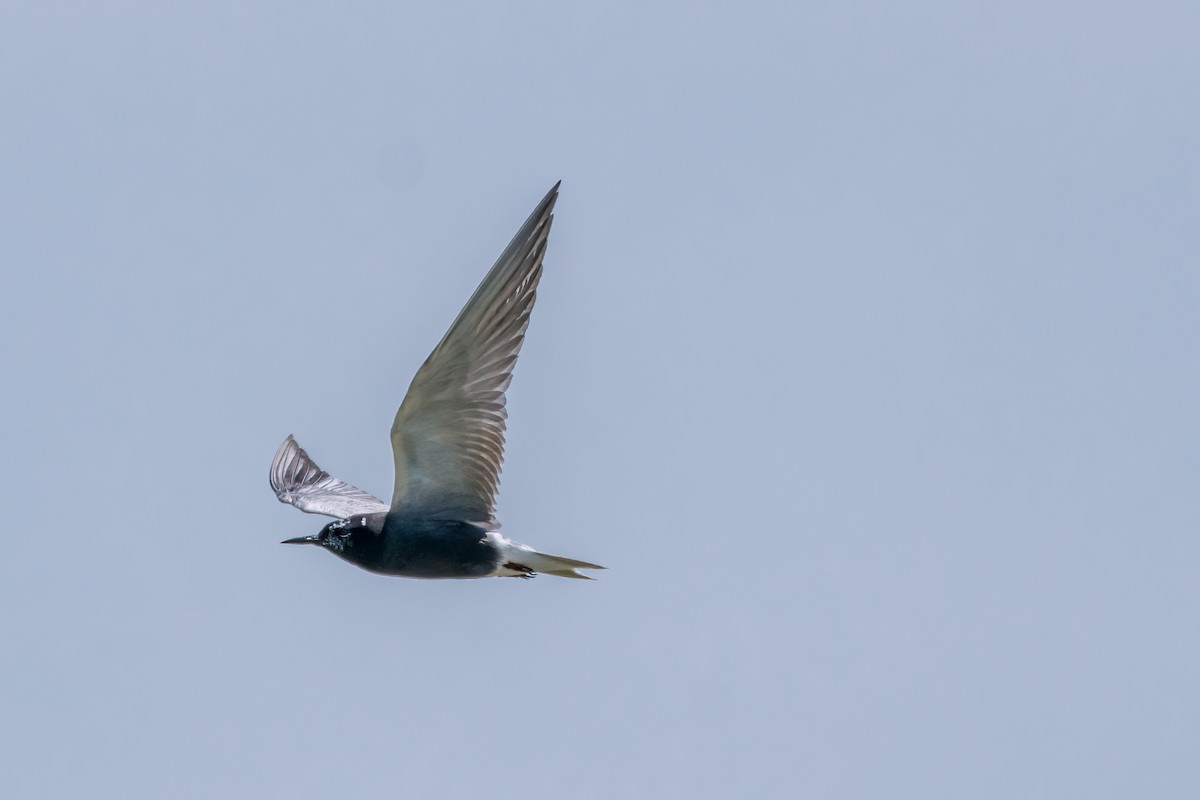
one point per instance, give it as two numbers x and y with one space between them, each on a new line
865 357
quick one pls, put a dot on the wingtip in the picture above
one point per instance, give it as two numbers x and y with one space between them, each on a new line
549 200
287 445
284 446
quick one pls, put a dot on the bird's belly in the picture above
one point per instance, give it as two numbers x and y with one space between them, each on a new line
438 550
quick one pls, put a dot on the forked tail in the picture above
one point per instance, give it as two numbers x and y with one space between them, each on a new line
521 561
553 565
562 567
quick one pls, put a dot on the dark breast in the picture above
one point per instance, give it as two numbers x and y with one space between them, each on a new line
425 548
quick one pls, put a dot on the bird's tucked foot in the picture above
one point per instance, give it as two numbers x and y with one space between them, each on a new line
525 572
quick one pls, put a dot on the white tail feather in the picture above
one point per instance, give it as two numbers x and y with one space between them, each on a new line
518 559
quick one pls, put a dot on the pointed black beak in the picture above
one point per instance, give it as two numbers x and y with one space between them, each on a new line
302 540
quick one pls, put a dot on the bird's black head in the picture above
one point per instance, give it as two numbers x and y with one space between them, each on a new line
354 539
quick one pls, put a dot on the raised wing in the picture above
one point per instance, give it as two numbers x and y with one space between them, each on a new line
448 436
297 480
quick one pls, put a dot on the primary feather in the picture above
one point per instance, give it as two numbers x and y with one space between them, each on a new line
298 480
448 435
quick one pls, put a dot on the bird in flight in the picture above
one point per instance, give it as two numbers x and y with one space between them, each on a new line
448 444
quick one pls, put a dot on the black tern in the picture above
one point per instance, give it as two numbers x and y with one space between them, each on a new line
448 445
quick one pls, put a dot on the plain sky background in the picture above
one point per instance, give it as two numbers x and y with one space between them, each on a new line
865 357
